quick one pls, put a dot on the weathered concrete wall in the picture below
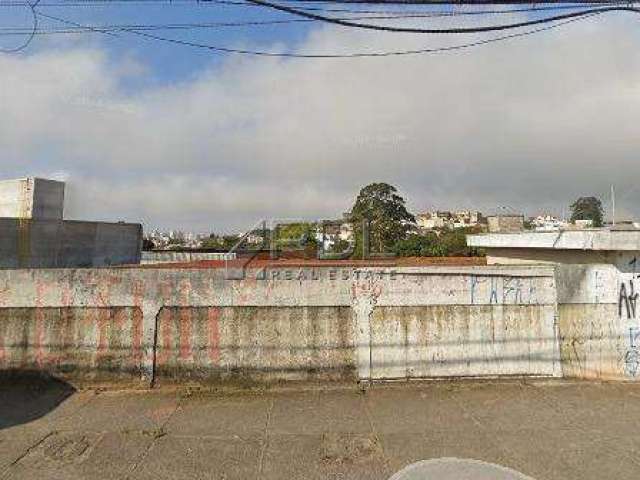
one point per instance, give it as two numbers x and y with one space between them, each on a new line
258 343
150 258
66 244
598 319
451 341
538 256
304 323
89 344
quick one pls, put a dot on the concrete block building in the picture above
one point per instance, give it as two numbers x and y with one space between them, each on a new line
32 198
33 233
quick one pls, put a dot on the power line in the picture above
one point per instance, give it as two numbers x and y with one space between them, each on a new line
32 33
78 28
187 26
136 30
246 3
490 28
352 55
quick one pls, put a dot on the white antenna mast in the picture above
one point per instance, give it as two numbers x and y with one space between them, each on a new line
613 206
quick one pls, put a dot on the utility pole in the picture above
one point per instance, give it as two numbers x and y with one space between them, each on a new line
613 206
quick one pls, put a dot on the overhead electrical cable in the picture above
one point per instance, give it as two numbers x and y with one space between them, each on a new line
187 26
246 3
350 55
32 33
488 28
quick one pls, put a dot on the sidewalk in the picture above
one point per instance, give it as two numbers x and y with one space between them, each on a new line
545 429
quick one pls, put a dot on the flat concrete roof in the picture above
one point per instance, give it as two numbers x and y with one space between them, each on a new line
591 239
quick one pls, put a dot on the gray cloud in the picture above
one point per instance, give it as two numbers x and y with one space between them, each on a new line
530 123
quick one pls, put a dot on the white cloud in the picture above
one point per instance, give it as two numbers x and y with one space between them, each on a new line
530 123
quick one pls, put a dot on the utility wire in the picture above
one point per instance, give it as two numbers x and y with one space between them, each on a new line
33 31
351 55
489 28
245 3
314 17
187 26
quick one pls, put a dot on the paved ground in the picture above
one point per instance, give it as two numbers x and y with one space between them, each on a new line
546 430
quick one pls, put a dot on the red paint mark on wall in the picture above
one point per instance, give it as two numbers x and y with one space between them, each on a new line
185 322
185 333
165 334
39 340
3 354
136 321
65 295
103 334
4 293
214 335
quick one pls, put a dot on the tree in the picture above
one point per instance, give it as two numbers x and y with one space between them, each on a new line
587 208
426 245
148 245
381 206
451 243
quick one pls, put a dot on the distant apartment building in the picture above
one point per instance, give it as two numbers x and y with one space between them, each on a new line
505 223
548 223
439 219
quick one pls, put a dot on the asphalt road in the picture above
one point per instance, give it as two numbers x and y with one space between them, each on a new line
544 429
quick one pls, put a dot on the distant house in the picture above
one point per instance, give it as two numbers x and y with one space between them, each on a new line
506 223
548 223
440 219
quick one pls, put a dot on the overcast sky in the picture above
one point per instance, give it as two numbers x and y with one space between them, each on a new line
530 124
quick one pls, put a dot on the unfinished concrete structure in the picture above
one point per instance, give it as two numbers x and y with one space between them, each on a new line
560 247
32 198
33 233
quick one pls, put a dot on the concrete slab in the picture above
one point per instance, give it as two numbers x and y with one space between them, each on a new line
236 416
518 406
564 453
416 409
548 431
121 412
330 456
319 412
196 458
77 455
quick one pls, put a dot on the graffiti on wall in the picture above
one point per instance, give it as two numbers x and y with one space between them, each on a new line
632 356
627 303
503 290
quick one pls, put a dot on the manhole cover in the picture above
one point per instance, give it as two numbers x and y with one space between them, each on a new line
457 469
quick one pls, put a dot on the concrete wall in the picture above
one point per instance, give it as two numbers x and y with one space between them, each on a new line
33 198
598 319
16 198
48 199
64 244
538 256
328 323
89 344
150 258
